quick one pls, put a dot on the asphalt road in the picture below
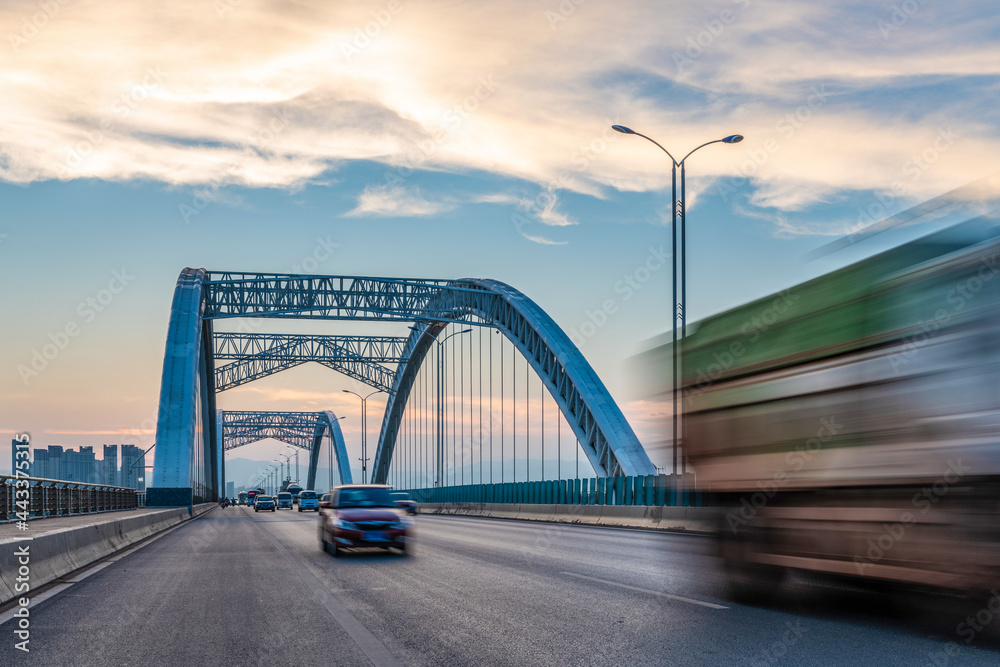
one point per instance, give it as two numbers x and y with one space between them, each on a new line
238 588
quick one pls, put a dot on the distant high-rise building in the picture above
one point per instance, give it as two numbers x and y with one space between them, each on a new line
133 468
109 466
78 466
40 464
230 489
55 465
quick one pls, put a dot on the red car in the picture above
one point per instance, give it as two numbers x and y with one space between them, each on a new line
363 515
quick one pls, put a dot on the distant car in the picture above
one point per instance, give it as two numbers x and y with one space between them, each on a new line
364 515
404 501
308 500
284 500
264 503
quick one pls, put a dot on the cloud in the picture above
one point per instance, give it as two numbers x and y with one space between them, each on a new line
542 240
268 95
396 201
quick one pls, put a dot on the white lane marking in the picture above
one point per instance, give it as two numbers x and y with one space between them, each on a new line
645 590
366 641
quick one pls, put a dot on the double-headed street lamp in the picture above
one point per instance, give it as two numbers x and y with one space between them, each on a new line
679 214
281 465
440 401
364 432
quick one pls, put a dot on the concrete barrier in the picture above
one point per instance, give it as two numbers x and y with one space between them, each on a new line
702 520
59 552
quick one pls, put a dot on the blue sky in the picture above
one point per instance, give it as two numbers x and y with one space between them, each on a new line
445 140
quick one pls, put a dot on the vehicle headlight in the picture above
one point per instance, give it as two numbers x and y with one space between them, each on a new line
404 522
340 524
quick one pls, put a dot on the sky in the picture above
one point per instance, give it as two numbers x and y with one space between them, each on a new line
445 140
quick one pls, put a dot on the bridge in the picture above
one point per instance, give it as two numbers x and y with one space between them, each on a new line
471 335
489 407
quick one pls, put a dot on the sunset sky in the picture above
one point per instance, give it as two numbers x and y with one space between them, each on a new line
446 140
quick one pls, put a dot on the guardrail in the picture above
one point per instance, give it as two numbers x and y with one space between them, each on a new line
646 490
32 497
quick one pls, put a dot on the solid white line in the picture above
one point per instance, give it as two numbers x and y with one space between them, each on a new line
643 590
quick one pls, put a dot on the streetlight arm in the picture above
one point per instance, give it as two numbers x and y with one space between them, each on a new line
657 144
453 334
139 459
716 141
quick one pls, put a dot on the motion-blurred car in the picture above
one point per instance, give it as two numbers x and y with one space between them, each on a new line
308 500
284 500
404 501
364 515
264 503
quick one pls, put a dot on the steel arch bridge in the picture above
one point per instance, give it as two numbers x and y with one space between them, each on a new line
304 430
190 434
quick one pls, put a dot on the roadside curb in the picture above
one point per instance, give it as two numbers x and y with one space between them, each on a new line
698 520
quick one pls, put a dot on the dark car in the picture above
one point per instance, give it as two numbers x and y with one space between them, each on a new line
264 503
364 515
404 501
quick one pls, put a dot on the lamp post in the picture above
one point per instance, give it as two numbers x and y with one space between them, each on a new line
439 481
679 214
364 433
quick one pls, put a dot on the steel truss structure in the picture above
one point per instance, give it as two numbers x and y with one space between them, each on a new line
188 435
304 430
604 433
258 355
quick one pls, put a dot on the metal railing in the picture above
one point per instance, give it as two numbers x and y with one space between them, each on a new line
40 497
648 490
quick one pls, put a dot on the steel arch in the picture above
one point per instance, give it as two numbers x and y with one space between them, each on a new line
304 430
604 434
188 465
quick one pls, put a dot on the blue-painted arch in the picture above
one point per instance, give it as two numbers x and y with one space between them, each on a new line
604 434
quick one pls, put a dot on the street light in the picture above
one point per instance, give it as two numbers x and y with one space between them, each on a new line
364 432
440 401
679 211
287 462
